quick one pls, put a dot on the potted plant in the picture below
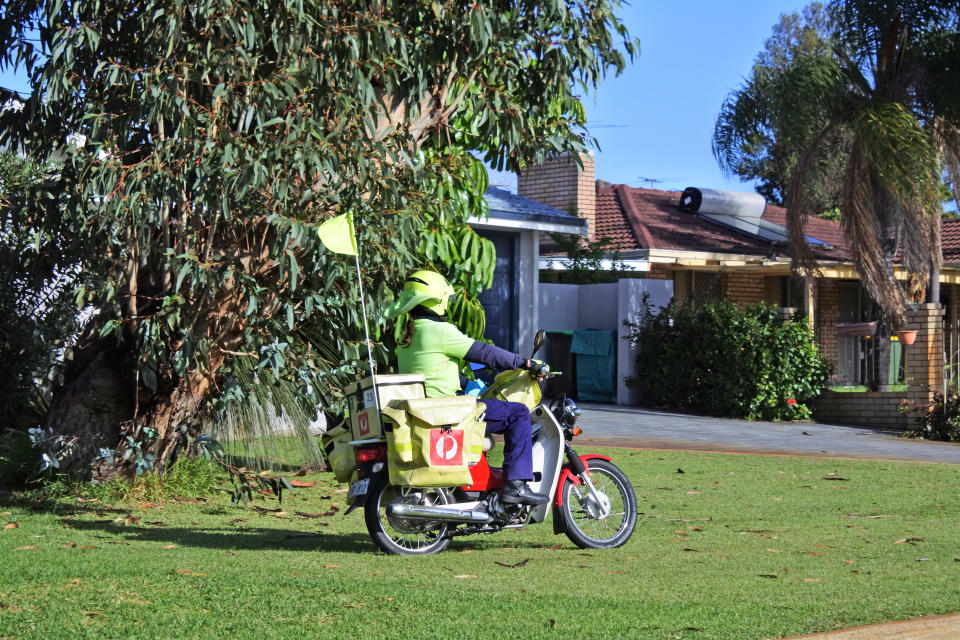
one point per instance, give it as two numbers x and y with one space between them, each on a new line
907 336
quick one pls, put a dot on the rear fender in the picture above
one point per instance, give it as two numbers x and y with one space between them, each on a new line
365 470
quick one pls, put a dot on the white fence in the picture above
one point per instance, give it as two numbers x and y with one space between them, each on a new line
567 307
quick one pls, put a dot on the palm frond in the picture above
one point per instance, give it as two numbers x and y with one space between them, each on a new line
902 160
800 205
871 242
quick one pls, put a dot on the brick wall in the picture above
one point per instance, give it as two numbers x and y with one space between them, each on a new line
559 183
826 322
744 289
924 372
659 272
866 408
923 360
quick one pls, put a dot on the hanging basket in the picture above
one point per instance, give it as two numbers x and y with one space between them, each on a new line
856 329
907 337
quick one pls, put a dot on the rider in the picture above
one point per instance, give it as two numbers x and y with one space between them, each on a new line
434 347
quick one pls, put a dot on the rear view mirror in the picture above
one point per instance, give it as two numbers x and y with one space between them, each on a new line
538 342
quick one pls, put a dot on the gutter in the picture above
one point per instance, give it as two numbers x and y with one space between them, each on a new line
531 222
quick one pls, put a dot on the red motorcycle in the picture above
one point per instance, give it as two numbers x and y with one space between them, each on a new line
592 500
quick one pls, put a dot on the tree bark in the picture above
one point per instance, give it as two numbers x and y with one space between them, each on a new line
933 291
881 357
100 405
91 407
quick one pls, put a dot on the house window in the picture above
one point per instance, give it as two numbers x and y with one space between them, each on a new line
783 291
792 292
705 287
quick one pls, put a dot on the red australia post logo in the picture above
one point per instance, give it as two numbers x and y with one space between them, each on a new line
363 424
446 447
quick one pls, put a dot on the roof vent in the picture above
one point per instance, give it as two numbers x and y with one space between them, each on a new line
724 203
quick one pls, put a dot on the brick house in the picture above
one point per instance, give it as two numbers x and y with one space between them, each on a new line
705 257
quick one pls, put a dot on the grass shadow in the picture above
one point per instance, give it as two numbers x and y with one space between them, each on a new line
232 538
54 505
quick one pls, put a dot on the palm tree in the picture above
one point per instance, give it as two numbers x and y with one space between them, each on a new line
886 98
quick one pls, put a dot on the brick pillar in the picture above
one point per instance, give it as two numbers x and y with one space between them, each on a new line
924 358
561 184
826 322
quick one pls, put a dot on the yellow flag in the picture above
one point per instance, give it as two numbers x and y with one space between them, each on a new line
337 234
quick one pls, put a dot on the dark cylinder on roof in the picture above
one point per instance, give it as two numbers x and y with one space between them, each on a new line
690 199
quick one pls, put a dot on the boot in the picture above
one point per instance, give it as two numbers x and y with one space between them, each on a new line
517 492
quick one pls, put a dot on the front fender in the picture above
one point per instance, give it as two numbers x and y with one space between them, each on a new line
568 476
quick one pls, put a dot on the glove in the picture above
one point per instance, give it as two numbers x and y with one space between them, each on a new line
536 368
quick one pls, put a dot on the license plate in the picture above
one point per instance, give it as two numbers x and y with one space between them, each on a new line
358 488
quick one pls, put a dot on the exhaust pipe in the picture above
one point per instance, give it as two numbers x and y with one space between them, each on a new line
446 514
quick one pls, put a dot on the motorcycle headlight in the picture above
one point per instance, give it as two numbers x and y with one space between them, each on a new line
570 412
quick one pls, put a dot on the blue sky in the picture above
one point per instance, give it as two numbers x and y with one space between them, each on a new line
655 121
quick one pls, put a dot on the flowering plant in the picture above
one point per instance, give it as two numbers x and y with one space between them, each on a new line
938 419
721 360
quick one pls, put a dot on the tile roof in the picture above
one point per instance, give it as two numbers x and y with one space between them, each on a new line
950 240
636 218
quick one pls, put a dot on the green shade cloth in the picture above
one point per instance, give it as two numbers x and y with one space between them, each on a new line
596 364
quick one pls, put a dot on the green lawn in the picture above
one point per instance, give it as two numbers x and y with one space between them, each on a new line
733 547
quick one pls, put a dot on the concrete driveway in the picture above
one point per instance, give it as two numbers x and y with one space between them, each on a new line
615 425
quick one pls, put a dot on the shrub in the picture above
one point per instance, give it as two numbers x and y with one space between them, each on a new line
938 419
725 361
19 461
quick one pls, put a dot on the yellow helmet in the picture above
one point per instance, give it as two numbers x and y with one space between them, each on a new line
424 288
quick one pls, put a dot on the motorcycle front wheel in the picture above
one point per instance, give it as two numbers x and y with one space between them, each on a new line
583 517
404 536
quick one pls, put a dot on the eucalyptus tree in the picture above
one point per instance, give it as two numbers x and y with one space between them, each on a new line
34 312
199 142
884 100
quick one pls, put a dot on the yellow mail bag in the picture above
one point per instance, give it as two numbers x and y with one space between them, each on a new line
431 442
340 453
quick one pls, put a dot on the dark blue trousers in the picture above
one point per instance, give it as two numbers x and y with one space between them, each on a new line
512 419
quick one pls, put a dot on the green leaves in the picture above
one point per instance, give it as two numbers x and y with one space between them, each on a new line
202 156
724 361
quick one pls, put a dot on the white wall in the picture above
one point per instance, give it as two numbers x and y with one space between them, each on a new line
598 306
567 307
630 299
559 306
527 305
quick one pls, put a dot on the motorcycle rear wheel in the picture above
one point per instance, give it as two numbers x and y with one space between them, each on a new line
578 510
404 536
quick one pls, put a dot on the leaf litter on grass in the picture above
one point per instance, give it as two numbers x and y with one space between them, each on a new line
811 521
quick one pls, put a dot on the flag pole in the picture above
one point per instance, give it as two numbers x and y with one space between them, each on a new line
366 333
337 235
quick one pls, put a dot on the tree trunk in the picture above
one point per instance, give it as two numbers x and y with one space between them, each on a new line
933 291
881 357
91 407
891 215
100 406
